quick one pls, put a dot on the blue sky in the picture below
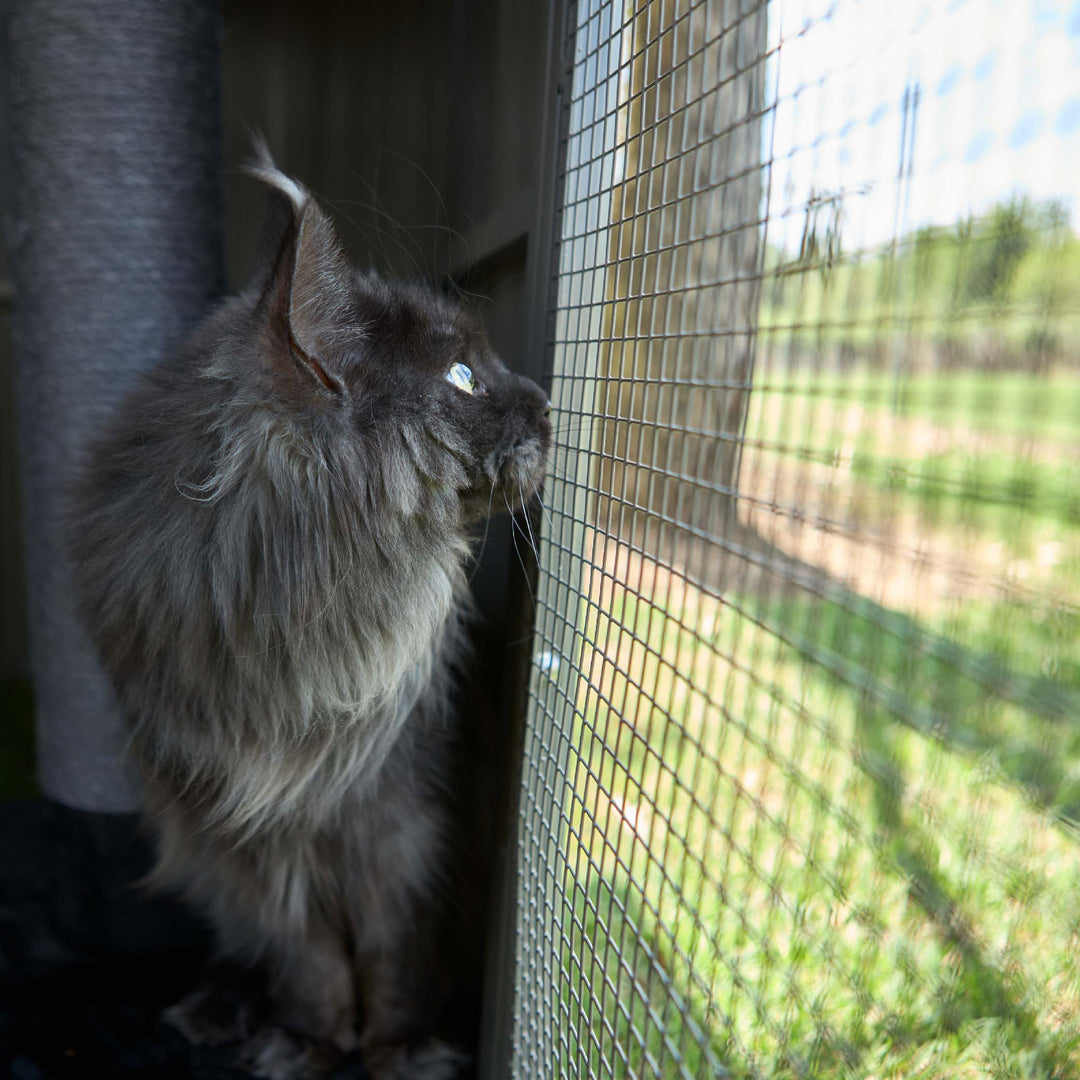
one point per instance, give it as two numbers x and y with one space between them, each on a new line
998 109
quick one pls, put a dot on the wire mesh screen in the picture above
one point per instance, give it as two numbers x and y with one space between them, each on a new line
802 763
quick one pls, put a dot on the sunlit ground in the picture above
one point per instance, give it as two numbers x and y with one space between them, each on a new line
832 830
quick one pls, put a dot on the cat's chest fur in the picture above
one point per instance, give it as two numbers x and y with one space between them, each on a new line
326 735
311 692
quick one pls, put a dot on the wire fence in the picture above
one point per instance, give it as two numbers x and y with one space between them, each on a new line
801 781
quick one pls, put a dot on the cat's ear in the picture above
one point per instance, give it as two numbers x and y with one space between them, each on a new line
306 295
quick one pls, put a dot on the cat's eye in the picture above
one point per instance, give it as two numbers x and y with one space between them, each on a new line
462 377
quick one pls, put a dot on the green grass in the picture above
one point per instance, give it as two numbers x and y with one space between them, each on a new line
814 836
825 890
978 484
1002 403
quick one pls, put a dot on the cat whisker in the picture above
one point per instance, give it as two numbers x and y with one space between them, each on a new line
420 260
456 234
556 533
564 431
560 475
528 523
463 292
514 527
568 446
567 419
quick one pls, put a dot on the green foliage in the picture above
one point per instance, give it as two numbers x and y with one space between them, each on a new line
1003 239
994 290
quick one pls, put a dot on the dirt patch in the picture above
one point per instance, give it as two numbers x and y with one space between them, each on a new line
824 516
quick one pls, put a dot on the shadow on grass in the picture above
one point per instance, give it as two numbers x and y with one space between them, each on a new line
966 696
627 1014
629 1011
972 988
997 683
971 694
978 689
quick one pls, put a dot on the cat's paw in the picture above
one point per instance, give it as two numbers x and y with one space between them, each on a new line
214 1014
273 1053
427 1060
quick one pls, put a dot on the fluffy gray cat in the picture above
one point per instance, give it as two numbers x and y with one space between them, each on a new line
270 544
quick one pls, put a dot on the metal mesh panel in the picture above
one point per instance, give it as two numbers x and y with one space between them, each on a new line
801 774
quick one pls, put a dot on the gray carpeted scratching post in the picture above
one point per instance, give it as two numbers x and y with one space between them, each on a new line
116 243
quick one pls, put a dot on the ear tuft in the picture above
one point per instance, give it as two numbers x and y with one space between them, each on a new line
262 167
306 294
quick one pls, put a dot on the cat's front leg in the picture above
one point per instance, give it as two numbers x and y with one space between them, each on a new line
310 1021
269 899
394 879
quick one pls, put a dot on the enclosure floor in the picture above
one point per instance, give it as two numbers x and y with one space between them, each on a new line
65 1014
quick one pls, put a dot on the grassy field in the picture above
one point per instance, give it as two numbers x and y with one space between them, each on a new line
998 404
816 834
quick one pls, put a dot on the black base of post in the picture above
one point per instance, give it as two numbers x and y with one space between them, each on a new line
87 959
97 901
